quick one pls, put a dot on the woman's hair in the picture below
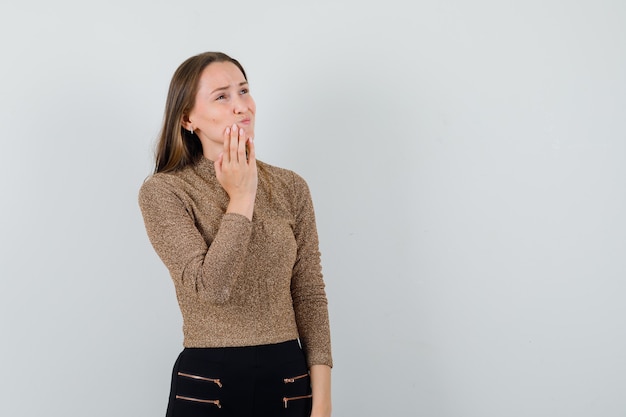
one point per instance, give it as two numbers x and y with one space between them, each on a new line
178 147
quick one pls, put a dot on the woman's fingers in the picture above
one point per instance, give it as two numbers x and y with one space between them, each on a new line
226 145
236 170
234 143
241 151
251 152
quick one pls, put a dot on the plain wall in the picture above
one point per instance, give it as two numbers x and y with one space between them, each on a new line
467 162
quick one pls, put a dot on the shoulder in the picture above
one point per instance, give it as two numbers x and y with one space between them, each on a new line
156 183
285 185
163 185
282 175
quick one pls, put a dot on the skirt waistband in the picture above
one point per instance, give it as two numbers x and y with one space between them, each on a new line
277 352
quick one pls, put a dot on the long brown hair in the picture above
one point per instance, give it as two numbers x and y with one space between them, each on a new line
177 147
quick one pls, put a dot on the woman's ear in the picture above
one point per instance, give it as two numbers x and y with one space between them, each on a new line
186 123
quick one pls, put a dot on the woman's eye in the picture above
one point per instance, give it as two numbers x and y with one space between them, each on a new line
244 91
221 97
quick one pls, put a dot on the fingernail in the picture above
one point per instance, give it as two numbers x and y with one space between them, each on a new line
241 131
235 126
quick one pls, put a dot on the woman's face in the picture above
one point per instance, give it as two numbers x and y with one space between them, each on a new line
223 99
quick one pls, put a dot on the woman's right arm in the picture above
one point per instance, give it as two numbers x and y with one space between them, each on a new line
209 271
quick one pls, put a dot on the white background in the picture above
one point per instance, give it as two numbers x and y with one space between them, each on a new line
467 162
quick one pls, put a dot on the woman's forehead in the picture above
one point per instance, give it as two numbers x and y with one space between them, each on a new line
221 74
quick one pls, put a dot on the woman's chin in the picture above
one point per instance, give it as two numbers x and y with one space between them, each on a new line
249 132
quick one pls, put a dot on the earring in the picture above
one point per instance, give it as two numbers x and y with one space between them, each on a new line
191 131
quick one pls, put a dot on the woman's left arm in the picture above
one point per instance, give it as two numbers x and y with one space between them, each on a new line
309 300
320 386
308 293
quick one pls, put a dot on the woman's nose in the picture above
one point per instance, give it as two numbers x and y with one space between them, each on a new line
239 105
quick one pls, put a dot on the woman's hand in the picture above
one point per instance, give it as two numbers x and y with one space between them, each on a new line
237 172
320 387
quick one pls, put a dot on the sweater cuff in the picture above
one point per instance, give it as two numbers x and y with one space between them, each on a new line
236 217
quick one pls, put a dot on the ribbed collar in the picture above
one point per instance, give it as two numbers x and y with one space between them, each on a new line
205 167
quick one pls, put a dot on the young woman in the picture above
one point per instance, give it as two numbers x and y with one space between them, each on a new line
238 237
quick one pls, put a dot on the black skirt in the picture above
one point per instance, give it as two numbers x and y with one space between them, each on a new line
266 380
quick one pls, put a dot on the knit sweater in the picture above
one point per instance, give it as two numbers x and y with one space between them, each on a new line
240 282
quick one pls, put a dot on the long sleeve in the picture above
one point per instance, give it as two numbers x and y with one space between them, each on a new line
207 269
307 284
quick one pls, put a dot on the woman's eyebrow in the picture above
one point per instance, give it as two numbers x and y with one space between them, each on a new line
228 86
